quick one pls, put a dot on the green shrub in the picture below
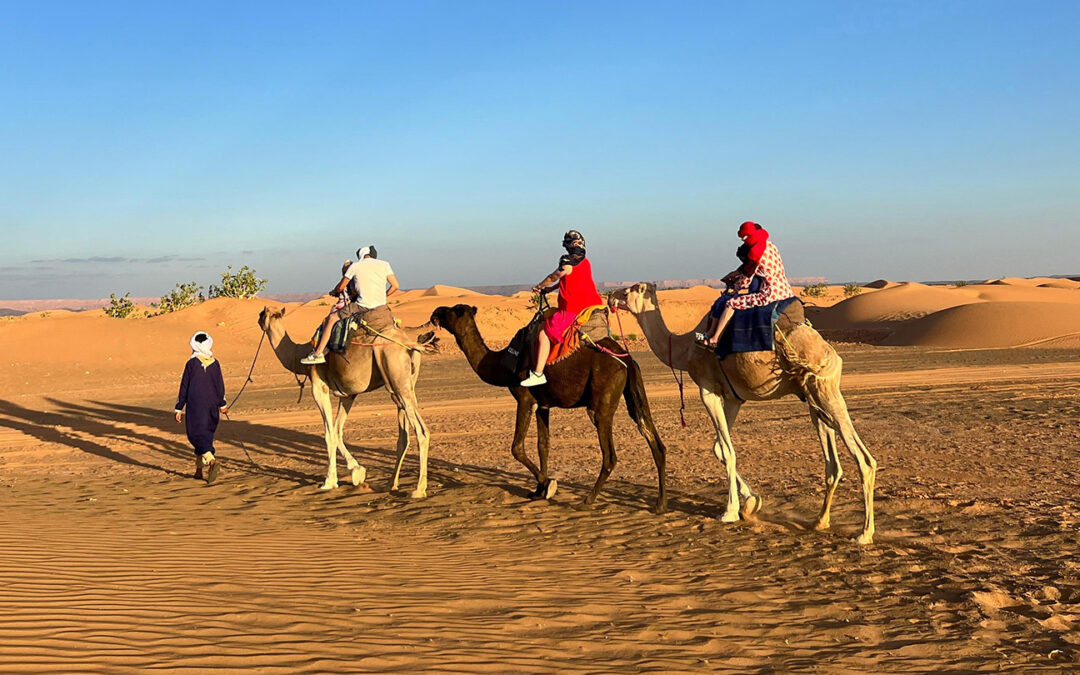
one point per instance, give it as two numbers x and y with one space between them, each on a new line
814 290
242 284
184 295
120 308
851 290
961 283
631 336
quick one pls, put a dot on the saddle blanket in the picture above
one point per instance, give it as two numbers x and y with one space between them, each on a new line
752 330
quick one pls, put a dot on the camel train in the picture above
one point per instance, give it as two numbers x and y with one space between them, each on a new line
594 377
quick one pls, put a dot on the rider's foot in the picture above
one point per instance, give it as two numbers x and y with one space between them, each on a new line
534 379
313 358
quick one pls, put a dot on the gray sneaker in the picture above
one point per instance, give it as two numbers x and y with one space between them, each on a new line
312 359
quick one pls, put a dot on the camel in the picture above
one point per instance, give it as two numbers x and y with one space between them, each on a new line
803 364
586 378
361 369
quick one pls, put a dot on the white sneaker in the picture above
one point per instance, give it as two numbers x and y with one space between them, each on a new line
534 380
313 359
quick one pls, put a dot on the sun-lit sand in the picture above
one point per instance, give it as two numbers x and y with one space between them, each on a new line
115 561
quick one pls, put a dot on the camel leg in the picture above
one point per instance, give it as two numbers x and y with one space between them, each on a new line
751 500
832 402
602 419
402 439
724 451
517 448
547 486
833 470
357 472
321 393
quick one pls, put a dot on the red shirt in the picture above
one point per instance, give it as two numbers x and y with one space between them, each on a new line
577 291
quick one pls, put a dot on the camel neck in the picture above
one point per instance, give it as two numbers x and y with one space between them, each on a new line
672 349
482 359
287 351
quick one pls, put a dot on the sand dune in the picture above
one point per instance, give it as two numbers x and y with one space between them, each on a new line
991 324
897 303
441 291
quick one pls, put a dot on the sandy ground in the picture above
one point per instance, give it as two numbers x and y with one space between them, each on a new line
115 561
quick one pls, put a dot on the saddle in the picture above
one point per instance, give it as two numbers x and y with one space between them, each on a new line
361 326
590 327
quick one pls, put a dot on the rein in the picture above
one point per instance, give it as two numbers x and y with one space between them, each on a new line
242 388
678 381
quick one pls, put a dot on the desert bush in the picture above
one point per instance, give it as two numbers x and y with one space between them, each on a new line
241 284
183 295
814 290
851 290
120 308
631 337
961 284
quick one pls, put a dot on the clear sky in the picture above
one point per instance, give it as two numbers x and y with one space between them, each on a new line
147 143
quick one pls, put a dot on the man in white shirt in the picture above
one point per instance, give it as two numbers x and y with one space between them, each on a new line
369 281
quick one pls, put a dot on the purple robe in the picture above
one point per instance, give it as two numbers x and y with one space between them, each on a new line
202 390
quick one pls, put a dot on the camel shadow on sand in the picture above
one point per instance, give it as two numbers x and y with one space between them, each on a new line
151 439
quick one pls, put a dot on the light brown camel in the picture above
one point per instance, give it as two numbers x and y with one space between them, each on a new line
803 364
363 368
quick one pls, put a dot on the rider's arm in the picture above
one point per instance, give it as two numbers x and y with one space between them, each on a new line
550 282
393 284
340 286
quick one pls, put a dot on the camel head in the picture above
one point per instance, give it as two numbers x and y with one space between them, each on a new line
450 318
636 299
269 316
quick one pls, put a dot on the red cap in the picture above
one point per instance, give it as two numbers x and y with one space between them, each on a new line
747 228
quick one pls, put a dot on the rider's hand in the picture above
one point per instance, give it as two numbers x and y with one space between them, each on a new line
537 289
178 416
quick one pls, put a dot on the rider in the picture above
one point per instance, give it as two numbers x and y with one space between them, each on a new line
764 262
366 280
577 292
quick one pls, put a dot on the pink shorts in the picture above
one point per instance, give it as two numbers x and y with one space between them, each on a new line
558 323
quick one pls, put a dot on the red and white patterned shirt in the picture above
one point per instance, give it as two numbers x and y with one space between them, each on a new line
774 285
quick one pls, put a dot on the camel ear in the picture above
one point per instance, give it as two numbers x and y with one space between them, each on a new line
471 310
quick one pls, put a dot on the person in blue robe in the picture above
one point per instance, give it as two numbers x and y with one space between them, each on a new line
202 392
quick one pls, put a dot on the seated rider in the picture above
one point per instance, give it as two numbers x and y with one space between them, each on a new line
577 292
764 262
366 282
742 279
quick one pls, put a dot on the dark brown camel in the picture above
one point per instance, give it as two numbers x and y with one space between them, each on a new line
586 378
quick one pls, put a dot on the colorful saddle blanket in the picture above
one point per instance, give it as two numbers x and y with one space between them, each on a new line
752 330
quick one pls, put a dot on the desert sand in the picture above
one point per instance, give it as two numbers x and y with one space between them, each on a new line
115 561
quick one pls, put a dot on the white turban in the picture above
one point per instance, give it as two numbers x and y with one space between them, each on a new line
361 252
201 348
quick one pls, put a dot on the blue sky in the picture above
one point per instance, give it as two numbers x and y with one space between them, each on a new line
143 144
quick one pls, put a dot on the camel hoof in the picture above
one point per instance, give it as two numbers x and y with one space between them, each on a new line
753 504
418 493
550 489
328 485
359 473
865 539
730 517
584 506
821 525
658 508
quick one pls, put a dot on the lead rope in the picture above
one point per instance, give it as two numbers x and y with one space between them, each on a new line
229 407
678 381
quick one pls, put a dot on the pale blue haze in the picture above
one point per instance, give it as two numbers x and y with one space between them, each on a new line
906 140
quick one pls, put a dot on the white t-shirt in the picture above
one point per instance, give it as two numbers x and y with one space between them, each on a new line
368 280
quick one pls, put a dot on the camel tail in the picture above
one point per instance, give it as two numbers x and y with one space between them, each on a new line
637 404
